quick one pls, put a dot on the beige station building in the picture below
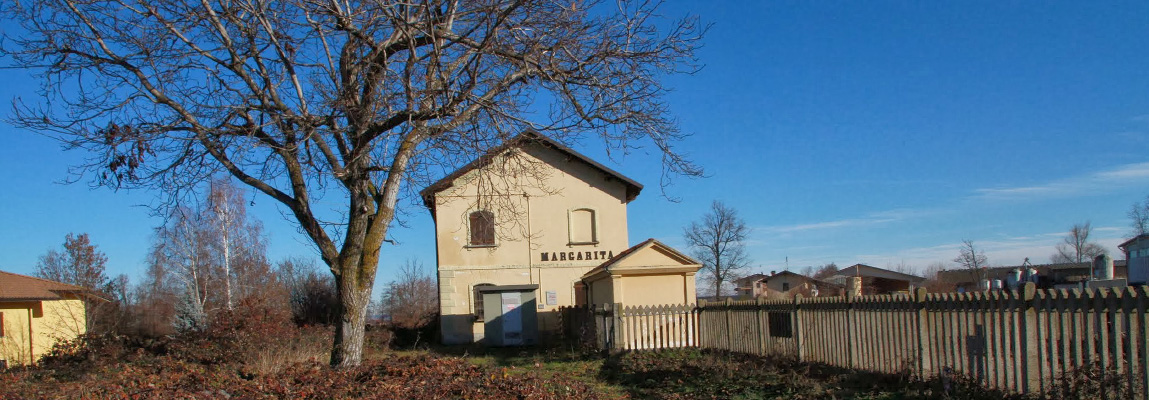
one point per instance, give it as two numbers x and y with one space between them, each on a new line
532 226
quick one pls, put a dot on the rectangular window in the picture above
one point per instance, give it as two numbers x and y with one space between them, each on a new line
482 228
1 324
785 286
582 227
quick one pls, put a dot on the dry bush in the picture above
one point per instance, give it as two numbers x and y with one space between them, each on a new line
1094 381
309 345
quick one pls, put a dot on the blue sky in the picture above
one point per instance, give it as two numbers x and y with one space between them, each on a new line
846 132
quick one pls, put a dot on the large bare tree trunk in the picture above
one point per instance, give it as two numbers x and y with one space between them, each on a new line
347 350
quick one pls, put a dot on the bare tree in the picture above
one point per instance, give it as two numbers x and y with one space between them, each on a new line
1139 217
311 295
717 241
1076 247
826 271
355 102
934 282
410 299
239 247
212 254
902 267
808 271
972 260
80 263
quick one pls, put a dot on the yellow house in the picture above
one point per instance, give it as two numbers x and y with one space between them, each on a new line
35 314
516 231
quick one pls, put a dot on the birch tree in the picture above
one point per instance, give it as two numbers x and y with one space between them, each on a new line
353 102
213 254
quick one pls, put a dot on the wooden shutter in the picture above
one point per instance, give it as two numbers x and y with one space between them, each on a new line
482 228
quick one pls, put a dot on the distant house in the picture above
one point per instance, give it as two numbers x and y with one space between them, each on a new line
1137 259
876 280
789 284
749 286
35 314
1045 276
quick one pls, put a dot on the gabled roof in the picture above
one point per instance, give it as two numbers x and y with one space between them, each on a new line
16 287
866 270
748 279
615 263
783 273
1131 240
527 137
800 276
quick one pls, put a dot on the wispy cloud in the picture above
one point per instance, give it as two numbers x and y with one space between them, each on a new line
1097 182
870 219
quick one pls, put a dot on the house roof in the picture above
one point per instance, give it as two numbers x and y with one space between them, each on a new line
866 270
527 137
613 262
804 277
1131 240
748 279
16 287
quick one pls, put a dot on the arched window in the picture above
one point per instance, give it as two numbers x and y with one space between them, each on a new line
582 227
482 224
479 300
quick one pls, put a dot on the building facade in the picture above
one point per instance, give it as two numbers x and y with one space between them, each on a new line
516 231
1137 259
876 280
35 314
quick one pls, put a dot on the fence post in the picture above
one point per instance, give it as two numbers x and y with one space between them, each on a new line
619 329
796 328
702 336
729 326
851 330
599 321
758 322
1031 365
924 365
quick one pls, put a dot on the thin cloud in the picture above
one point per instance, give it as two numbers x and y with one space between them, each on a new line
1095 183
875 218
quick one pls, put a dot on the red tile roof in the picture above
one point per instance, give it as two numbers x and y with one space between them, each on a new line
16 287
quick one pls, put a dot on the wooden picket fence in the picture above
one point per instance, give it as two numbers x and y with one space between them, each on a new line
1043 342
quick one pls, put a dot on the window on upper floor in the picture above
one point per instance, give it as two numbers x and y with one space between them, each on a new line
583 226
482 224
1 325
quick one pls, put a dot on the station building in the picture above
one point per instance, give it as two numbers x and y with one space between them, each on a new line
532 226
